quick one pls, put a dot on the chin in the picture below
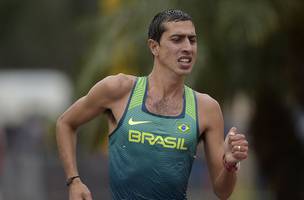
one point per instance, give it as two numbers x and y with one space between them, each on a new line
185 69
184 72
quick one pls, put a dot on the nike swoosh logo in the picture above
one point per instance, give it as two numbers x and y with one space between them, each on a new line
131 122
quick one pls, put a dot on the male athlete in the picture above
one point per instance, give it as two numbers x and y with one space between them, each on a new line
155 124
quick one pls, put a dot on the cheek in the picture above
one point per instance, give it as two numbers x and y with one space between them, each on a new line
171 51
194 49
195 52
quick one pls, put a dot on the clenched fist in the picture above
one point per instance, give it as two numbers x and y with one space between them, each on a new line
236 147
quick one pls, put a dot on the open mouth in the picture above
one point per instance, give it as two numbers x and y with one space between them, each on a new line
185 59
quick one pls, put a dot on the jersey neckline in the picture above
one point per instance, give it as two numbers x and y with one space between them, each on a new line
145 109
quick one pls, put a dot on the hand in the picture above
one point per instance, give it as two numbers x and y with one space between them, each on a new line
79 191
236 147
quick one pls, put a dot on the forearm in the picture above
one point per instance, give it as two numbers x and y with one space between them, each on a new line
225 183
66 141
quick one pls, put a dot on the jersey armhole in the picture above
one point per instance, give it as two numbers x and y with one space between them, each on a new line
125 110
199 136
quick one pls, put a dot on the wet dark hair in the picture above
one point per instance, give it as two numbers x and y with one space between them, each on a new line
157 28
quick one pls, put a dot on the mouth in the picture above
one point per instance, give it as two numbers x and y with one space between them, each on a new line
185 59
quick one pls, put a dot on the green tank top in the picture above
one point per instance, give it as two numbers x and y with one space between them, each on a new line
150 155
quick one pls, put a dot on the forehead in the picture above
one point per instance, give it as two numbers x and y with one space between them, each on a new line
180 27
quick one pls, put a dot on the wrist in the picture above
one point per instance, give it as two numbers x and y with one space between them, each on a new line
230 167
72 179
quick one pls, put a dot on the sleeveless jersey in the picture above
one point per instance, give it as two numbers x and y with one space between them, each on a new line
150 155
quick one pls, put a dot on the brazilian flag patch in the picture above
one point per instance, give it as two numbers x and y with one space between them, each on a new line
183 127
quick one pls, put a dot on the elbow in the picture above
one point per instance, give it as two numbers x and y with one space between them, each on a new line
64 125
59 123
224 185
222 195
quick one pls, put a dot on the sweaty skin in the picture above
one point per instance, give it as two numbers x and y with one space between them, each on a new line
174 57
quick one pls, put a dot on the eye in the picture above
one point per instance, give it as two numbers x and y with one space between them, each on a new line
176 39
192 40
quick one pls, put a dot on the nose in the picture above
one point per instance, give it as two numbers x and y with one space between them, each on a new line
187 46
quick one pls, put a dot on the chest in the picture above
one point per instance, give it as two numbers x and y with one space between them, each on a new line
164 106
145 131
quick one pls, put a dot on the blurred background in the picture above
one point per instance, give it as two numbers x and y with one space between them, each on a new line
251 59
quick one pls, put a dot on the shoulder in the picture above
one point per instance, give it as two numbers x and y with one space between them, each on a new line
119 81
114 86
110 89
206 102
209 111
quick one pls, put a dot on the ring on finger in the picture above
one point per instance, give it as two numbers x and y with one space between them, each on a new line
239 148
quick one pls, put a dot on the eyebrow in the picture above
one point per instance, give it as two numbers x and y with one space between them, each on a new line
183 35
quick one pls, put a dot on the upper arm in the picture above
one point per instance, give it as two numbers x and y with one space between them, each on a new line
212 125
101 97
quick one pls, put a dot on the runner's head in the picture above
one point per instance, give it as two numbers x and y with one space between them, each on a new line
157 28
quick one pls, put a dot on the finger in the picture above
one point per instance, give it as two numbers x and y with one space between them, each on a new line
237 137
239 148
232 131
230 134
239 143
240 155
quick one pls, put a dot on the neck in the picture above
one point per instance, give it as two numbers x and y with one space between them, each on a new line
166 83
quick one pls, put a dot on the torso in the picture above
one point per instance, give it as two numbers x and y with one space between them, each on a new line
152 148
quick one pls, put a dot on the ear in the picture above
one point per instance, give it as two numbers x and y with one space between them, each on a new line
154 47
